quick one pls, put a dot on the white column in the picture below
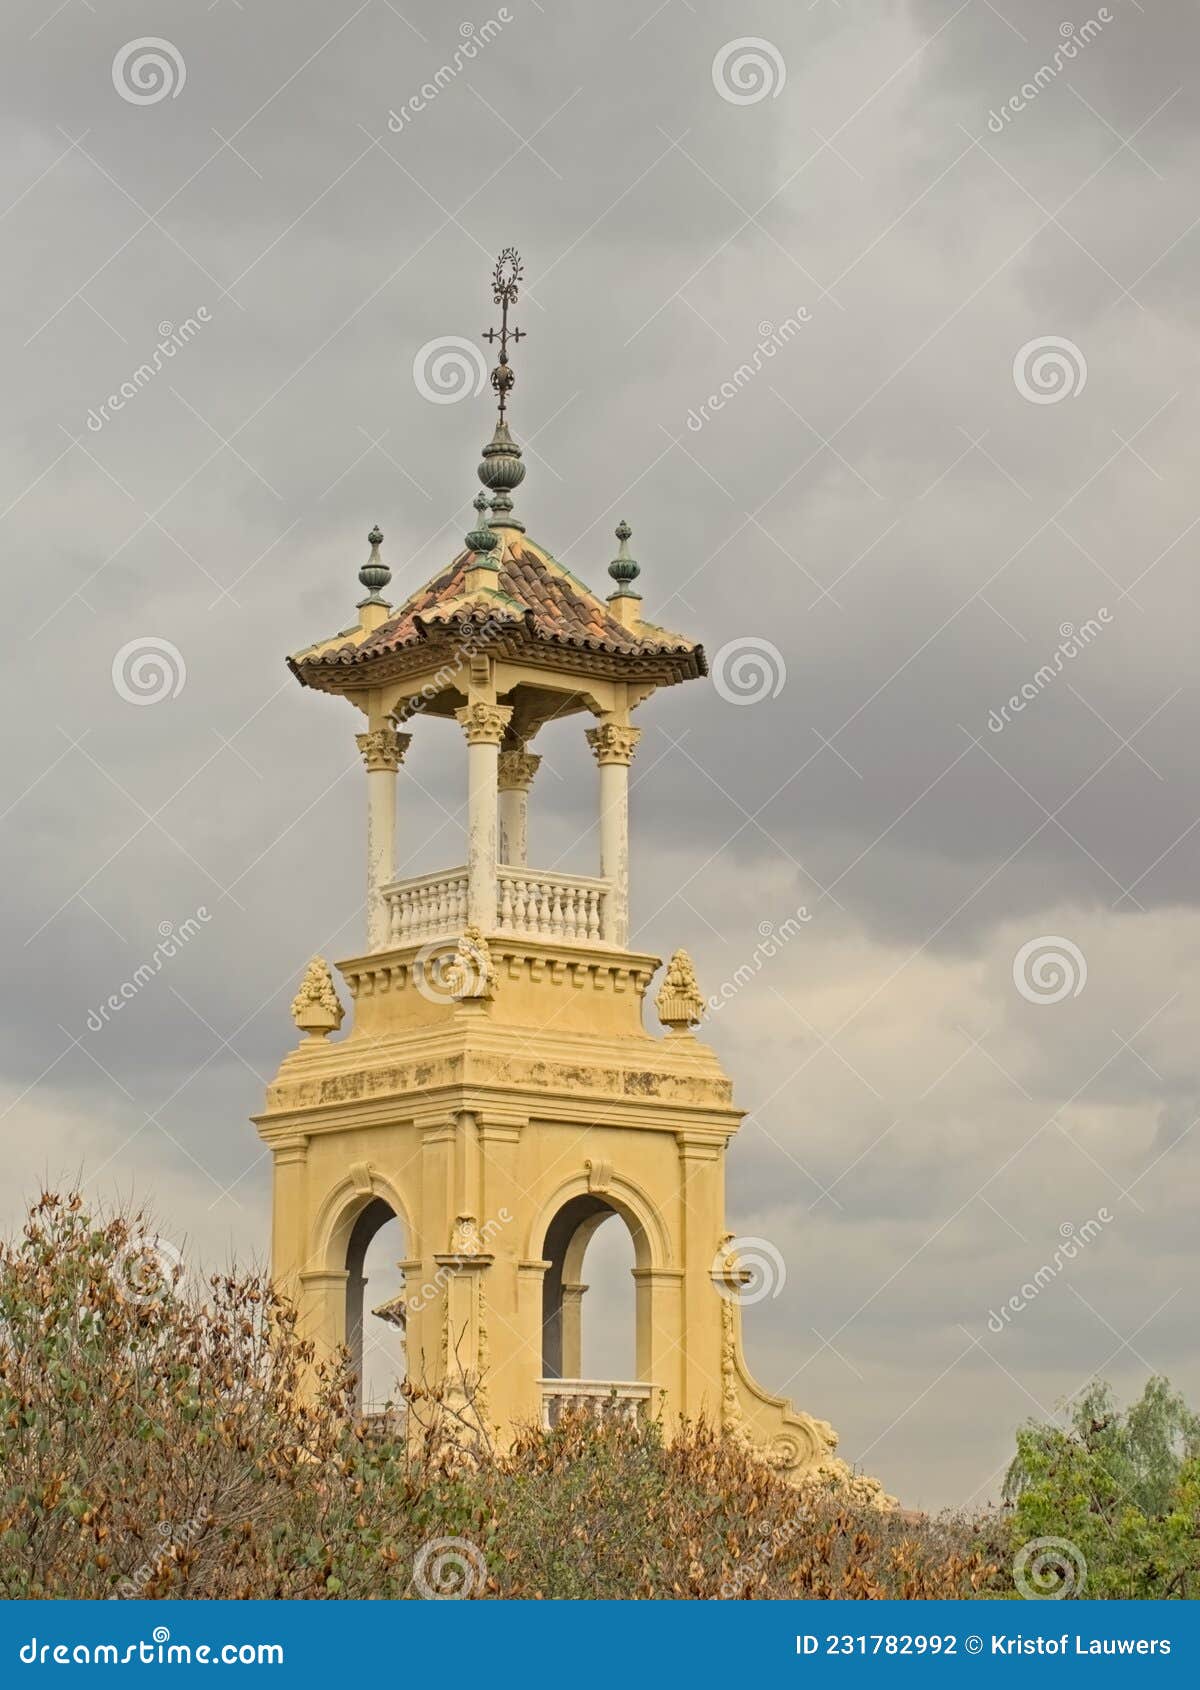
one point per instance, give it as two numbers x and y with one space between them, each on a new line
516 772
613 745
382 751
484 726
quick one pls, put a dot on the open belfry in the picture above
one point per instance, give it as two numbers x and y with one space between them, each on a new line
496 1089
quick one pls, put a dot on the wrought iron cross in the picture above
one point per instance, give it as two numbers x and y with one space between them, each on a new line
507 274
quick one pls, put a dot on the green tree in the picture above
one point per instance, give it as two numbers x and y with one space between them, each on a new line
1119 1487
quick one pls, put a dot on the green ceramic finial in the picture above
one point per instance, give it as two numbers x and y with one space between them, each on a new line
375 574
624 569
501 469
482 540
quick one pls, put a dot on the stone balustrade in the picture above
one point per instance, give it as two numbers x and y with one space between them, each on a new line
600 1399
569 908
550 906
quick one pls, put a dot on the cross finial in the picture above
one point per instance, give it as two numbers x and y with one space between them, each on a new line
505 277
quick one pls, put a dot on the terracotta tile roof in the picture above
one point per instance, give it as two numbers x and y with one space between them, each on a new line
532 589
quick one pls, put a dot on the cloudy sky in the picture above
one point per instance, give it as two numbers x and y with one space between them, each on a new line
980 437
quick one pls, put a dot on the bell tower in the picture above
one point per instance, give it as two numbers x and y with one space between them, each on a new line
496 1089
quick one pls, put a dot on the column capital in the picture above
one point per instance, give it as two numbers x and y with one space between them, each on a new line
383 749
516 770
612 742
483 724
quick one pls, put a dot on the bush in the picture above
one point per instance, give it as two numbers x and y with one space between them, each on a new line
158 1439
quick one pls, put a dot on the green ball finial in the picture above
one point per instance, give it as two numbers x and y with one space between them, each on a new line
375 574
482 540
624 569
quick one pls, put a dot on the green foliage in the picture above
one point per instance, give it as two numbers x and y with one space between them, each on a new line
1122 1487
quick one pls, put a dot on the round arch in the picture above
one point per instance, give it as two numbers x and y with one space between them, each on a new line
647 1227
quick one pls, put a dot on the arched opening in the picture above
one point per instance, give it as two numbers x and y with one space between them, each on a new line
375 1322
604 1346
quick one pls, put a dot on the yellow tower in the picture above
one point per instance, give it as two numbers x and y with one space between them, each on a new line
497 1090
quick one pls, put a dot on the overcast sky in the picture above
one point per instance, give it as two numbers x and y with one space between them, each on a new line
893 523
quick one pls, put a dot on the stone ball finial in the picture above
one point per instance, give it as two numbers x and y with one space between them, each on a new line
679 1003
375 574
624 569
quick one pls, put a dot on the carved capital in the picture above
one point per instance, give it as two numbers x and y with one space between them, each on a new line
483 724
612 743
383 749
517 769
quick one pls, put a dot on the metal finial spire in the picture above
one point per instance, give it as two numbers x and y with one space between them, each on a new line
624 569
375 574
505 277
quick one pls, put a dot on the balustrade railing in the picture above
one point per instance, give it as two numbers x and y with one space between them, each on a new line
550 906
599 1399
565 907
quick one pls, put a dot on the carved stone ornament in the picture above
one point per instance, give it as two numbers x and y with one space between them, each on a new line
316 1009
465 1239
600 1175
516 770
679 1003
471 975
612 743
383 749
394 1312
483 724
